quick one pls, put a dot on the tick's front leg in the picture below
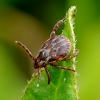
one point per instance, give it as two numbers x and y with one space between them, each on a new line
25 48
39 74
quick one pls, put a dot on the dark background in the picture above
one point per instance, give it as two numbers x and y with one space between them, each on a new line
31 22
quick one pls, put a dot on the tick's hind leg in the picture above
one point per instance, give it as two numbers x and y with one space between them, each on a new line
63 67
56 27
68 58
25 48
48 74
72 56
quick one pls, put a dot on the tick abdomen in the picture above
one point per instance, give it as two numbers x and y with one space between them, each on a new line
54 50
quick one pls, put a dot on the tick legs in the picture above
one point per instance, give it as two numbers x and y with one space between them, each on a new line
63 67
39 74
25 48
72 56
48 74
56 27
68 58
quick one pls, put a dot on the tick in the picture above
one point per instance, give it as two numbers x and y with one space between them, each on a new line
54 50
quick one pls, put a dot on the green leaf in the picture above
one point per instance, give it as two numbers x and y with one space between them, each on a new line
63 82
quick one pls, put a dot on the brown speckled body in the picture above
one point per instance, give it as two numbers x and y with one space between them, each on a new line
53 50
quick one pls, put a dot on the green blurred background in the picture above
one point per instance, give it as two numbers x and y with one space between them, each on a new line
31 22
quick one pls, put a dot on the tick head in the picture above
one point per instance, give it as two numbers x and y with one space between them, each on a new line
38 63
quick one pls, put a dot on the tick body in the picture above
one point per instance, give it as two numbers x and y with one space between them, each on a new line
54 50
